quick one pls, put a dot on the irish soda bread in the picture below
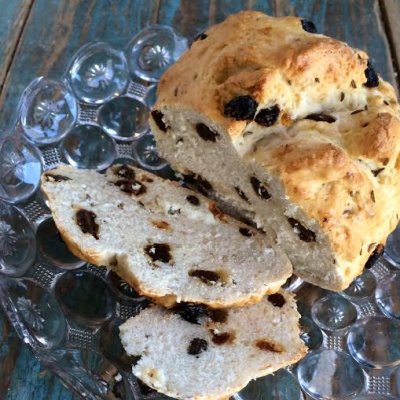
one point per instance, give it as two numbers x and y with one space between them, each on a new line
294 128
197 354
169 243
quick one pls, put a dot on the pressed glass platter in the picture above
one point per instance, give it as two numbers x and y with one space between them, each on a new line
69 311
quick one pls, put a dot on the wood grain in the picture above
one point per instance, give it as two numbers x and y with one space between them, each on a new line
13 18
48 44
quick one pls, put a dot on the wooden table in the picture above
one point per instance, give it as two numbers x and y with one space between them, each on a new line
39 37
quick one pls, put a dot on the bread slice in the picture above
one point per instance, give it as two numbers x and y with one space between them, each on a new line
170 244
294 128
199 354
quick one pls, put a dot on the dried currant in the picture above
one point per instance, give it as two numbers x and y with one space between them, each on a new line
371 75
277 300
158 119
130 187
268 116
200 36
308 26
191 312
259 188
123 171
241 108
245 232
206 133
193 200
197 346
376 172
222 338
320 117
218 315
86 221
159 252
241 194
306 235
209 277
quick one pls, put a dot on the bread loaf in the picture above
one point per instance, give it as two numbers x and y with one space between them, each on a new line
168 242
295 129
192 353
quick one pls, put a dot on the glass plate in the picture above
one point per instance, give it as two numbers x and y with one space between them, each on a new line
69 311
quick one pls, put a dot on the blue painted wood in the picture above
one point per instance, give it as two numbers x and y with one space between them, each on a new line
47 44
12 20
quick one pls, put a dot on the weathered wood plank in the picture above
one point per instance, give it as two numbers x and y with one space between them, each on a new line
13 18
48 43
30 382
391 13
20 375
9 351
357 22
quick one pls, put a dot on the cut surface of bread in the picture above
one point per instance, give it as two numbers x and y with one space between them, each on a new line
212 355
294 128
169 243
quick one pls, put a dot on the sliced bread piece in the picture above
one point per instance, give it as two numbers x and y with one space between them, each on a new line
291 127
169 243
212 354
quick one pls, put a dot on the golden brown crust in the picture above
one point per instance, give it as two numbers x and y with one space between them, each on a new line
343 175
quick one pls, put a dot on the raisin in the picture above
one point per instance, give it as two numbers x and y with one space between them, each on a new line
371 75
241 108
57 178
306 235
308 26
342 96
159 252
146 390
206 133
202 185
191 312
205 276
356 112
86 221
259 188
245 232
200 36
125 172
193 200
277 300
197 346
268 116
222 338
376 172
269 346
242 194
353 84
130 187
321 118
219 315
374 256
158 119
